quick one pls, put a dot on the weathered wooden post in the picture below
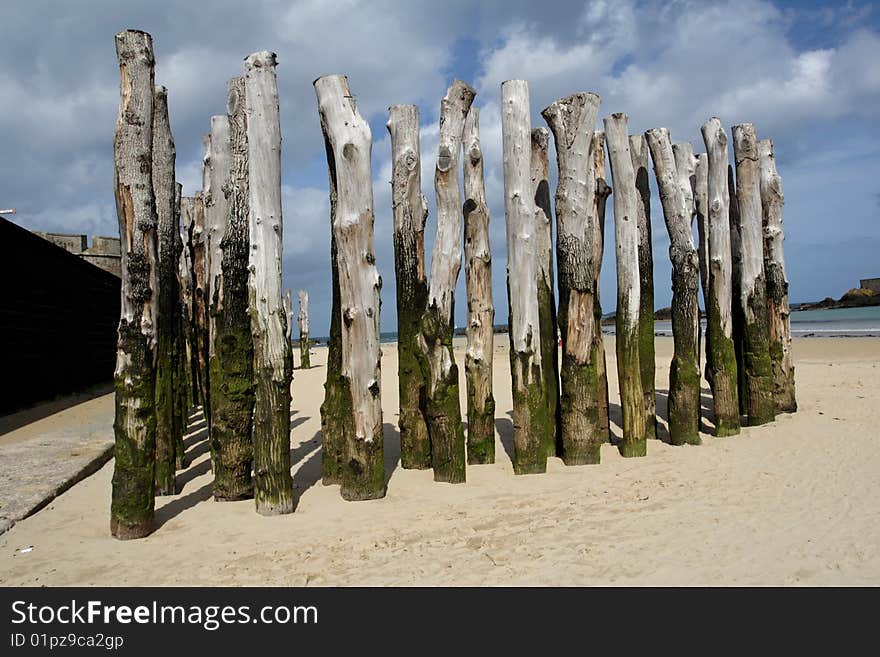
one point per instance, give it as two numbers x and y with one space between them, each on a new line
701 203
672 168
410 209
546 297
736 314
638 149
165 190
530 421
273 486
720 351
193 208
753 294
302 319
603 191
626 232
232 366
578 245
131 507
348 141
188 273
777 283
443 407
182 383
481 309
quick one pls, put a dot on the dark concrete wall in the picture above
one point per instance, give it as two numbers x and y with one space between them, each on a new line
58 319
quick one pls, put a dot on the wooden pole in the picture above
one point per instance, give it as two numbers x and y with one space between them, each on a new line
194 246
638 149
443 406
672 168
546 296
721 355
481 310
701 202
753 293
165 189
530 421
303 323
578 246
603 191
737 315
232 363
349 141
182 383
410 210
634 440
131 507
778 311
273 486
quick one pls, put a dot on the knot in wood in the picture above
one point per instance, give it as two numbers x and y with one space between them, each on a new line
444 160
349 151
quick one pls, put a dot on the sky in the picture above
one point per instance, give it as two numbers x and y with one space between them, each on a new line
807 74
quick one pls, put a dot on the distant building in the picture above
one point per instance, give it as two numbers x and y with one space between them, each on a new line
872 284
104 252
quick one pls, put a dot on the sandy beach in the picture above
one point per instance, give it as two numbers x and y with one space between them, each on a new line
794 502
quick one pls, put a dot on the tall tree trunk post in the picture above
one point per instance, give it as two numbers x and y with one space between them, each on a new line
182 383
577 233
232 366
195 207
165 190
131 507
349 142
777 283
410 210
546 296
531 423
481 309
273 485
302 319
603 191
721 356
638 149
672 168
753 293
736 292
626 233
701 204
443 407
188 211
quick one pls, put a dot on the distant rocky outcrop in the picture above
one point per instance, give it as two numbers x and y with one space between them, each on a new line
857 297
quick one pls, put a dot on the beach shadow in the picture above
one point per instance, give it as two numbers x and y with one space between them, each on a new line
196 450
391 445
295 422
181 504
191 473
309 472
615 423
504 427
17 419
661 401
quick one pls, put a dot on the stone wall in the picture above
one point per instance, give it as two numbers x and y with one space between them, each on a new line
872 284
104 252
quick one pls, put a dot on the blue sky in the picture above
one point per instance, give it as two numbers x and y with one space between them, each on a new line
806 73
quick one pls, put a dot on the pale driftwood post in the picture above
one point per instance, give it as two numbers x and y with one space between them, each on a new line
232 368
638 148
579 246
410 209
182 384
165 190
194 208
720 355
302 320
603 191
546 297
131 507
188 296
273 486
288 315
626 233
701 202
443 407
530 421
348 141
737 315
672 168
777 283
753 293
481 310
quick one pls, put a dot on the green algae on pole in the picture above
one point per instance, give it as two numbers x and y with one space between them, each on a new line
634 439
133 485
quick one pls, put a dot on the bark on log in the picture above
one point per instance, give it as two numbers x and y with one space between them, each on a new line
603 191
634 441
481 310
303 324
673 167
232 366
410 210
546 296
579 200
736 292
638 148
168 429
778 311
349 141
721 356
131 508
273 486
753 293
443 407
530 421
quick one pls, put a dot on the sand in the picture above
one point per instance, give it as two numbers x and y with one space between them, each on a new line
793 502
